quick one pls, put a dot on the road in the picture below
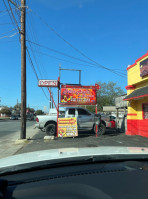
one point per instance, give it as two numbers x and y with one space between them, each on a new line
10 133
10 127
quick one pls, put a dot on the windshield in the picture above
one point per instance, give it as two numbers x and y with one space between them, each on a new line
74 74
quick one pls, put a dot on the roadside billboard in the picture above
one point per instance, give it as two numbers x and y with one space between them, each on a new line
82 95
67 127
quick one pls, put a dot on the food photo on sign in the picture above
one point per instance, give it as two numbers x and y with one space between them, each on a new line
78 96
144 68
67 127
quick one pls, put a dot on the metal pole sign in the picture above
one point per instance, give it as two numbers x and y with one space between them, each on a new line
52 83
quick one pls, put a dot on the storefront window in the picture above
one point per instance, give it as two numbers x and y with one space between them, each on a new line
145 111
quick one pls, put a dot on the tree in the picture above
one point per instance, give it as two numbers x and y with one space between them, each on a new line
31 110
106 95
6 111
39 112
17 106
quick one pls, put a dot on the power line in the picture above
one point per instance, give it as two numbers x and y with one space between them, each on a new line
9 36
8 31
7 23
56 51
34 56
99 65
57 58
8 41
15 21
32 65
3 11
76 49
8 12
30 60
35 38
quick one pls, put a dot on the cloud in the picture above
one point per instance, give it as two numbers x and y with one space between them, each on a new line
64 4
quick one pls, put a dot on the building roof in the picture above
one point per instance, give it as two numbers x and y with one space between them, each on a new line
138 93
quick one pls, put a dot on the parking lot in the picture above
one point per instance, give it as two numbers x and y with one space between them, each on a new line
10 132
85 139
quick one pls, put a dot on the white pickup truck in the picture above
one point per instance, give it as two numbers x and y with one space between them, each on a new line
86 121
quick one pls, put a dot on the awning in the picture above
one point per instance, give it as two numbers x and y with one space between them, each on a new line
138 93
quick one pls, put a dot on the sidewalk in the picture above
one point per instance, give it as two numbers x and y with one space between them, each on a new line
8 146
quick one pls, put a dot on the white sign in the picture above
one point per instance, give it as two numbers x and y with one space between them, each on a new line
48 83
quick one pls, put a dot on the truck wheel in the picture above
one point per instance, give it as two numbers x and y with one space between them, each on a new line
101 129
51 129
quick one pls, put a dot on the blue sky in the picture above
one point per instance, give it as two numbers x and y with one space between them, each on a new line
111 32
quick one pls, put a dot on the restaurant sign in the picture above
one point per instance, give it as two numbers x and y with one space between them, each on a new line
82 95
67 127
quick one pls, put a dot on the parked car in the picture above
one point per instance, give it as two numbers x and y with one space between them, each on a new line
85 119
14 117
112 117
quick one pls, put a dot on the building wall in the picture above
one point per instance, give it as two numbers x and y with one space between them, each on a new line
134 72
136 124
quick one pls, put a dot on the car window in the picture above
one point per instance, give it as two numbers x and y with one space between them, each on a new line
72 111
83 112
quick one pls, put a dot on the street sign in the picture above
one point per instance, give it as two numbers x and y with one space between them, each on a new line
48 83
78 95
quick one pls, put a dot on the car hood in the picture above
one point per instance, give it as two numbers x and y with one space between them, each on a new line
70 153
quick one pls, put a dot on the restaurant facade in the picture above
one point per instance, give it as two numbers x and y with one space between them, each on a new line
137 97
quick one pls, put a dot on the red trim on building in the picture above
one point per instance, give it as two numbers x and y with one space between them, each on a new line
131 66
130 87
135 97
132 114
137 127
143 110
137 61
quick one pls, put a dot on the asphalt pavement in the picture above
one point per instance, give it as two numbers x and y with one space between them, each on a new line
85 139
10 132
9 127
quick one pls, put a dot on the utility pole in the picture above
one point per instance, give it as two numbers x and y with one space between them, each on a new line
23 66
23 69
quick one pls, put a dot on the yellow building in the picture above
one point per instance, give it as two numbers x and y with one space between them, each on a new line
137 97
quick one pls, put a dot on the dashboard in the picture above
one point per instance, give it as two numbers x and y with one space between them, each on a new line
116 180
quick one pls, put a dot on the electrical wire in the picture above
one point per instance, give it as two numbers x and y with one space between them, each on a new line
35 38
32 65
16 23
73 47
8 13
8 31
99 65
9 36
59 52
57 58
